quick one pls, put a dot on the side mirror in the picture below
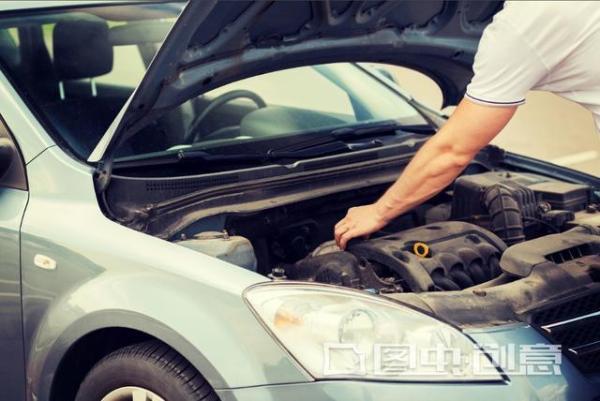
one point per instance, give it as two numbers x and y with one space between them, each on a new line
7 155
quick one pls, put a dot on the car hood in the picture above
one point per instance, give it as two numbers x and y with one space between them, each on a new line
217 42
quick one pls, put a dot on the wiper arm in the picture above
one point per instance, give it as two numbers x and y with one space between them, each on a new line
349 133
308 152
327 143
183 155
366 130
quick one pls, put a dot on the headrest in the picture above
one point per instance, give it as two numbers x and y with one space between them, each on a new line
82 49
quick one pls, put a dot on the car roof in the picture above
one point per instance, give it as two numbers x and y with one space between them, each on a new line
15 5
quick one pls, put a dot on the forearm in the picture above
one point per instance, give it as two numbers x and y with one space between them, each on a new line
432 169
443 157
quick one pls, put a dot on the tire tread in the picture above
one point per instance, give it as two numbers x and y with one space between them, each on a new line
166 359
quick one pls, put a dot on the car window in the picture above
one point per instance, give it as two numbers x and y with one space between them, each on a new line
76 68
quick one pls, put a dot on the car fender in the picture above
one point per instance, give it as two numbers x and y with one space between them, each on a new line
222 339
189 300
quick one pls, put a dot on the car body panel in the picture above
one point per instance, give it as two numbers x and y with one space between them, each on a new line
191 301
17 5
13 202
108 276
33 138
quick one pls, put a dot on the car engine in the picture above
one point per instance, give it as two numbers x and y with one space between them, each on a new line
457 241
442 256
495 248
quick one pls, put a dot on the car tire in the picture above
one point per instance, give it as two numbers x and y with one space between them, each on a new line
152 368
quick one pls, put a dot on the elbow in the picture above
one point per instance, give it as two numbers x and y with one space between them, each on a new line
456 157
462 153
460 160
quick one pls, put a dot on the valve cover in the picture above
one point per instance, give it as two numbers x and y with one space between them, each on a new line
443 256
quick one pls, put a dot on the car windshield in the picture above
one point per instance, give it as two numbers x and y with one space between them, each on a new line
277 105
77 67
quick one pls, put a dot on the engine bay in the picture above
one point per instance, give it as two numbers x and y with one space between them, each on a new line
509 242
457 241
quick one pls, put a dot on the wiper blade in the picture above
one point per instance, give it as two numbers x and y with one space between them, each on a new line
271 155
323 149
349 133
330 142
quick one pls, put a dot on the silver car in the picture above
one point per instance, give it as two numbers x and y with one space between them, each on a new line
170 174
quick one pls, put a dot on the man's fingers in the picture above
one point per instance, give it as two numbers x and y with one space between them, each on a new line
347 236
342 222
338 234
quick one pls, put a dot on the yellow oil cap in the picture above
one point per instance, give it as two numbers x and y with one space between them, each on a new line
421 249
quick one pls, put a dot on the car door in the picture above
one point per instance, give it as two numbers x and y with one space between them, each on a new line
13 200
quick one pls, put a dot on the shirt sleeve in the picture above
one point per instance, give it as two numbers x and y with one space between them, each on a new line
506 67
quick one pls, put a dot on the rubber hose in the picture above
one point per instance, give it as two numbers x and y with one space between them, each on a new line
506 220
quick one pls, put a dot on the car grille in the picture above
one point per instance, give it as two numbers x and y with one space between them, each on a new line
575 325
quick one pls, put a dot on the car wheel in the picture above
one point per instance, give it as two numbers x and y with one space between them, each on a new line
149 371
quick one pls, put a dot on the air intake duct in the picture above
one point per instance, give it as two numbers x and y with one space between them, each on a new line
506 219
496 202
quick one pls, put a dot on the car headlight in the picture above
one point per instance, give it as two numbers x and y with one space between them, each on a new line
338 333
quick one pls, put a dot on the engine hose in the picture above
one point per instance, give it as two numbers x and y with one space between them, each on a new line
506 220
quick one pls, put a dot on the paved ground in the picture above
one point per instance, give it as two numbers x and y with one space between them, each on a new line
554 129
546 127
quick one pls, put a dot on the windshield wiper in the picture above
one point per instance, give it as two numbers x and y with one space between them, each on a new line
271 155
350 133
323 143
306 152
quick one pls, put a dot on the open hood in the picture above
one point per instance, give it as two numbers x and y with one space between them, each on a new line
217 42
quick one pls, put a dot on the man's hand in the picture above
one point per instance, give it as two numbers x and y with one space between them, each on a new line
360 221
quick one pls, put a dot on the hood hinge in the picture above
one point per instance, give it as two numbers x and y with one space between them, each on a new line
102 175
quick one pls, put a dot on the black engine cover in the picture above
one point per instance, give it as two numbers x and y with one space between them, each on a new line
459 255
442 256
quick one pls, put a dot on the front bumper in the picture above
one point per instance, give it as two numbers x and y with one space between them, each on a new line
569 385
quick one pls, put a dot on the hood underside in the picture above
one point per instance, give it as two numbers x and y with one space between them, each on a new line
217 42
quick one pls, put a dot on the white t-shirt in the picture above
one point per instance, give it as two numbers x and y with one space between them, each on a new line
551 45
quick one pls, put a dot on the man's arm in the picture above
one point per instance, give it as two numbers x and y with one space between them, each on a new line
433 168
